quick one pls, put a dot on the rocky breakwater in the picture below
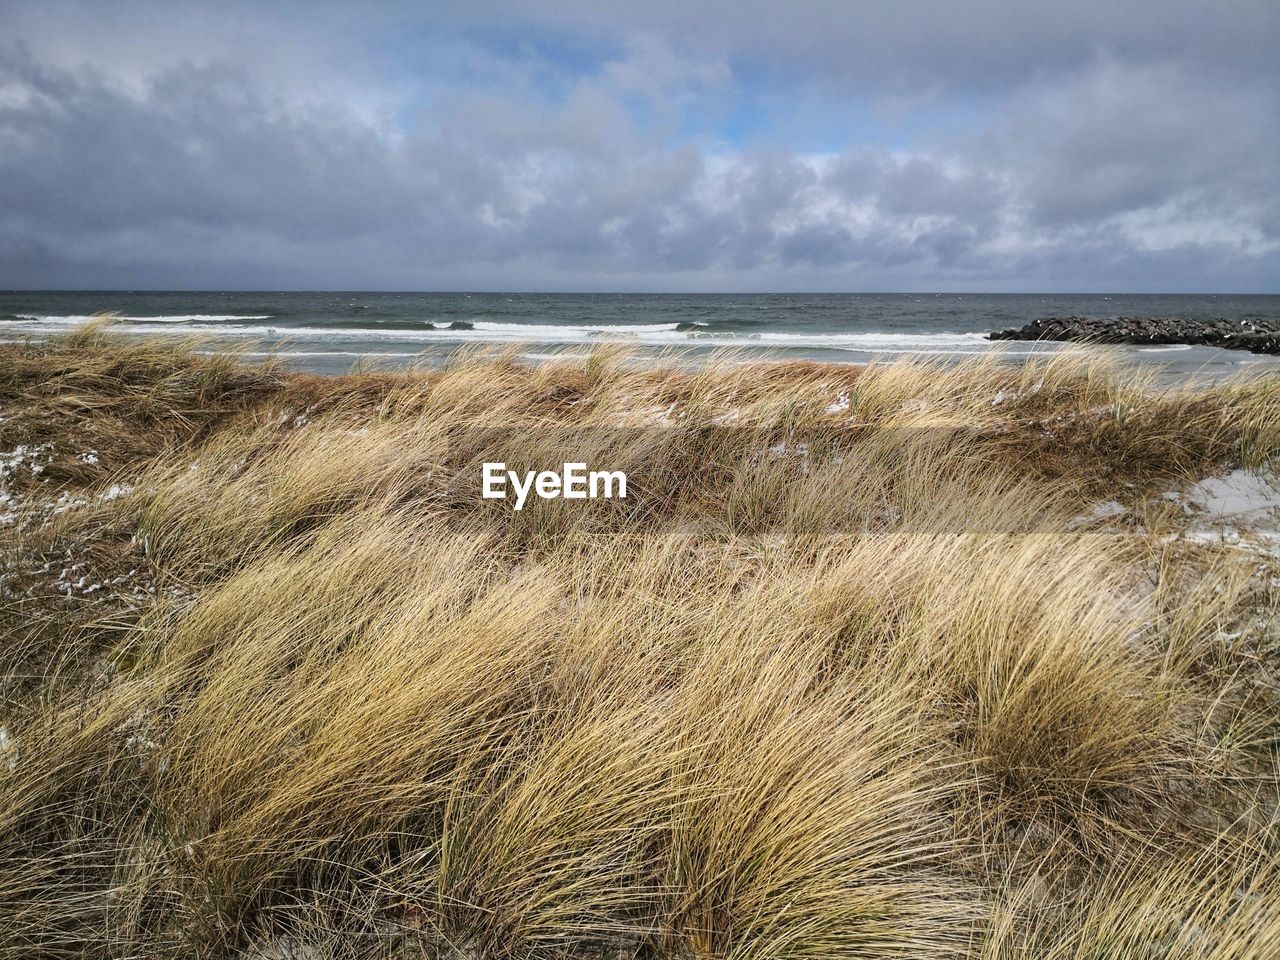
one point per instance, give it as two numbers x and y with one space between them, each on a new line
1260 335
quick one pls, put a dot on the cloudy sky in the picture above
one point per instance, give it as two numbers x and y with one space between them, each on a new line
1115 145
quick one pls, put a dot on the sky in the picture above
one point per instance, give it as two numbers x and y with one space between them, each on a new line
664 145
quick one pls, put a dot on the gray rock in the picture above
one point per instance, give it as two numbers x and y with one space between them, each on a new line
1259 335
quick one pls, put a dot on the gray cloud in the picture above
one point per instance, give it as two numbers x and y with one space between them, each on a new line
1116 154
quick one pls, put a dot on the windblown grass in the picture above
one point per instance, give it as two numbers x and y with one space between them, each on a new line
843 676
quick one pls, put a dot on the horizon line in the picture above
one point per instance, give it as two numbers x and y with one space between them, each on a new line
655 293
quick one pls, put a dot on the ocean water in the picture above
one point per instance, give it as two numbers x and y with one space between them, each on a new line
329 332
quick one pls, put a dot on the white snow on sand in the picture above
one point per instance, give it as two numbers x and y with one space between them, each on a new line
27 455
8 749
1237 509
842 403
1106 510
11 461
1241 493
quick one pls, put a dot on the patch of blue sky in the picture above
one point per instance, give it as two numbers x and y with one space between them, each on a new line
762 107
811 121
434 65
553 62
770 108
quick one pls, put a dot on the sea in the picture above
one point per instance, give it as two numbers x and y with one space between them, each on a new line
330 332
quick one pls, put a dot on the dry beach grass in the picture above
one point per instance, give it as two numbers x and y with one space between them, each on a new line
856 670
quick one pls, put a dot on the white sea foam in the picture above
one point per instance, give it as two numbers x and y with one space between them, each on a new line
484 331
537 329
164 319
382 340
882 338
657 333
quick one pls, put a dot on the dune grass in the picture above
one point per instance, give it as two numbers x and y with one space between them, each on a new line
844 676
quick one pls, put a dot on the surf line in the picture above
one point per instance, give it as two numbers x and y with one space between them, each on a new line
572 482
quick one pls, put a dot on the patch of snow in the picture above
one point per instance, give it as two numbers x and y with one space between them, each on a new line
1256 541
289 420
8 749
1240 509
28 454
1240 493
117 490
1101 511
40 511
66 502
661 417
784 448
727 419
89 457
841 404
